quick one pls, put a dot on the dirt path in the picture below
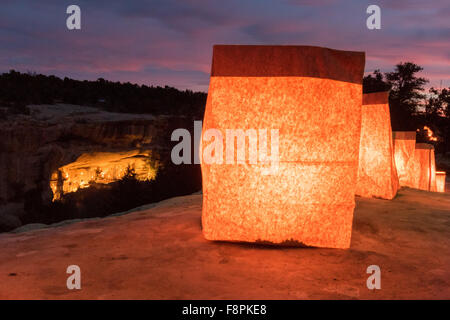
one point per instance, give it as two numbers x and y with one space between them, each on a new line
159 253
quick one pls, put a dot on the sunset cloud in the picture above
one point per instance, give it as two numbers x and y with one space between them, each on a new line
169 42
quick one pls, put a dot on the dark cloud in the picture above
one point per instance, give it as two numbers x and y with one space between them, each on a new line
170 42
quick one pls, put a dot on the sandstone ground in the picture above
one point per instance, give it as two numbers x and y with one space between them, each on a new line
158 252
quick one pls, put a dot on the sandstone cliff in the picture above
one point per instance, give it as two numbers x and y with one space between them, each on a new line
34 147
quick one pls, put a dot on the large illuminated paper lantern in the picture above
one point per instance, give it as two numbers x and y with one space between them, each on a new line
424 167
377 175
440 181
312 96
404 148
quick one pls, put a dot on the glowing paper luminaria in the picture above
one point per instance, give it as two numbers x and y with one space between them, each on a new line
424 167
440 181
404 146
312 96
377 174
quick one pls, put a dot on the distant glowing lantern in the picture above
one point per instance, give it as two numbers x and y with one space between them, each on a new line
430 134
404 146
377 174
424 167
440 181
312 96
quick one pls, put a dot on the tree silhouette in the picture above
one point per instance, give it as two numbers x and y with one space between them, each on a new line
406 88
406 92
375 82
20 89
411 109
437 116
437 103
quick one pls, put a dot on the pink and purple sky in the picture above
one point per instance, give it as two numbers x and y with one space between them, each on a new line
169 42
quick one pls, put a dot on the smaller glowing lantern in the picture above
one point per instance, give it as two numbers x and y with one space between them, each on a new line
377 174
404 146
440 181
424 167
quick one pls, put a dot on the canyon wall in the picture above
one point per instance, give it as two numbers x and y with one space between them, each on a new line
34 147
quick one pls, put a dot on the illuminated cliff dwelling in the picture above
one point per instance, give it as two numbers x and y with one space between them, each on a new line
101 168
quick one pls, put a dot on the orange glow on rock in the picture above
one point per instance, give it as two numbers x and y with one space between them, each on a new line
440 181
377 174
102 168
404 146
313 97
424 167
430 134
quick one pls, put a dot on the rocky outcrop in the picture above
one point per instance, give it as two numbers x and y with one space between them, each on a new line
33 147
